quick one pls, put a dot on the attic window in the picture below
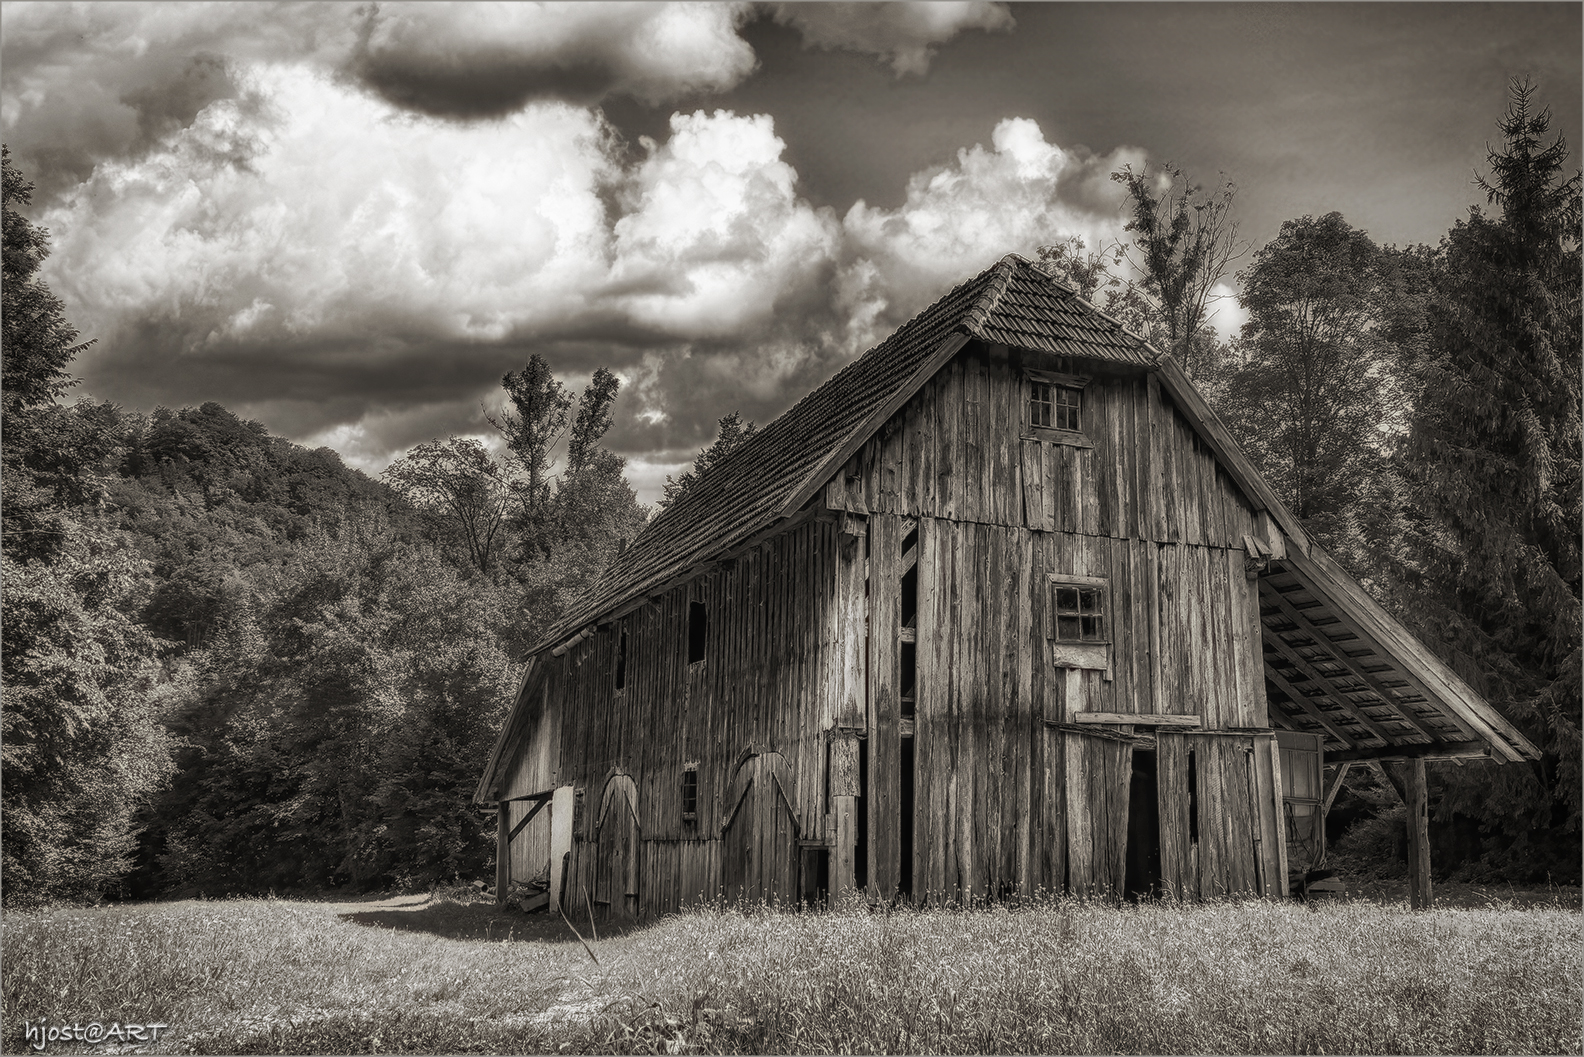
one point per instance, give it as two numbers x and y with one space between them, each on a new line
1056 407
698 631
621 661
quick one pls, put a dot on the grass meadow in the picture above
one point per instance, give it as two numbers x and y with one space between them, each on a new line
441 974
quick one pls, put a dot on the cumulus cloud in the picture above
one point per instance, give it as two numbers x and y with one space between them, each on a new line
306 252
902 34
715 233
251 223
1019 194
85 83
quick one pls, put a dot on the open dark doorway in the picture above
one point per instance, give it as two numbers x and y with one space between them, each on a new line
1143 878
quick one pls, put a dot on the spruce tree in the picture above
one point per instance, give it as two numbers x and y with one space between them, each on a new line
1493 454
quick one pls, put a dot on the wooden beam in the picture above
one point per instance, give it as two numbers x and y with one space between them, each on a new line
1334 786
833 462
1336 693
1308 706
545 795
1339 654
1141 719
1444 750
538 807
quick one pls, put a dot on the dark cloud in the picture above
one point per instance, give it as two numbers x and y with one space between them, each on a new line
167 106
469 63
480 86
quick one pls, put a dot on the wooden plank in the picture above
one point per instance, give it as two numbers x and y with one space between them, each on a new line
1256 706
1190 502
1145 719
932 738
1035 515
1213 828
884 794
1005 714
503 853
1171 778
1268 819
1159 480
970 709
1080 838
1021 735
1238 794
950 467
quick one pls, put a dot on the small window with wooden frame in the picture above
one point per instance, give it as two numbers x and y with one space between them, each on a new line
1055 408
690 792
1080 621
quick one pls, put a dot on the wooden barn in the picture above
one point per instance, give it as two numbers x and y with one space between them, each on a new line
1000 608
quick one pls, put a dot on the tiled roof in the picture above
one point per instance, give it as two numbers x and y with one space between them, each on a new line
1011 303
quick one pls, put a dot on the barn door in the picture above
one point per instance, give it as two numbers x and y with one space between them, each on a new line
1098 776
616 852
759 838
1215 830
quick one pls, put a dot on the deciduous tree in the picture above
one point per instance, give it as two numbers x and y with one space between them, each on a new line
1184 238
460 481
1316 383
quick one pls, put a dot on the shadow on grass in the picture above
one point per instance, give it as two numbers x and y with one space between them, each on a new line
479 921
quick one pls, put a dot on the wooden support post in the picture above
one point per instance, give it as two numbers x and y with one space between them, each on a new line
845 879
844 808
502 852
1418 836
1408 778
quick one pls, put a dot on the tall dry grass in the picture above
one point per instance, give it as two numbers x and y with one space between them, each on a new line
1051 977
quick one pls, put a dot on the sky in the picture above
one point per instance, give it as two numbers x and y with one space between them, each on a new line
348 221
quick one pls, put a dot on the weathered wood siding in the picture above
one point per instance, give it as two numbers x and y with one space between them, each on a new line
803 650
758 689
1003 801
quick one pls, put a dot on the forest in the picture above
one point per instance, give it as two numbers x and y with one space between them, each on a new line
235 665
